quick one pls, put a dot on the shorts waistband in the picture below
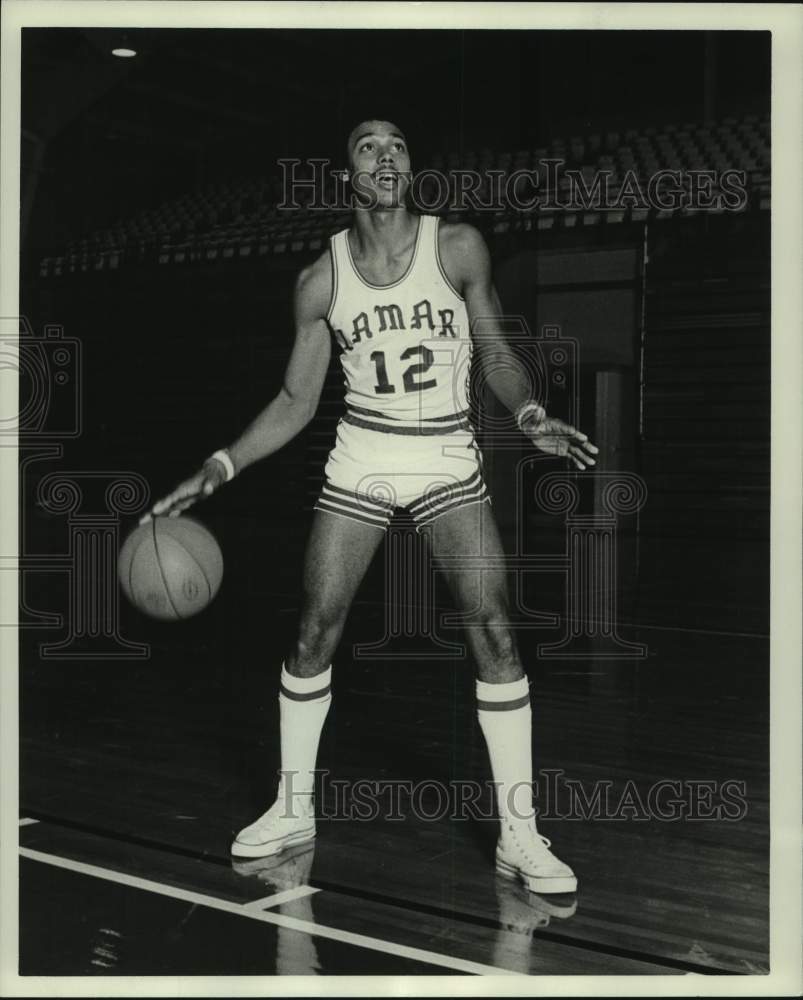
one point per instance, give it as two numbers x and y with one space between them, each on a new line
373 420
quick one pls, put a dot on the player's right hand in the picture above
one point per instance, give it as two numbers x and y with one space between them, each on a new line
202 484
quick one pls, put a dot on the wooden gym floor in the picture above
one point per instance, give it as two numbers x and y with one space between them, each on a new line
135 776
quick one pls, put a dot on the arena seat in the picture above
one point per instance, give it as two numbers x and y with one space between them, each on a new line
238 218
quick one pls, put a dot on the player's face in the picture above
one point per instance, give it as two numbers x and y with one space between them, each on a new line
380 164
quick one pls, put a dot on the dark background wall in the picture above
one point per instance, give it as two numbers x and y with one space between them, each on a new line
177 359
204 105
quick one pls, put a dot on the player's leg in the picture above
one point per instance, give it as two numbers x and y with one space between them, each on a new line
337 557
338 554
503 695
471 531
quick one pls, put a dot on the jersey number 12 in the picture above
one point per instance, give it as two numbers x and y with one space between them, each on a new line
384 387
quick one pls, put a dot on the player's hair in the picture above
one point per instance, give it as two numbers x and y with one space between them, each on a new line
350 142
359 124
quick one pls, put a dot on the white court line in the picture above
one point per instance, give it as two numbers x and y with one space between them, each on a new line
281 897
27 821
268 917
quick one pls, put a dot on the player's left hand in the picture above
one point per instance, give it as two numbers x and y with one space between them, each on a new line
555 437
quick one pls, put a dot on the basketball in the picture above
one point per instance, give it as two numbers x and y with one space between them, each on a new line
170 568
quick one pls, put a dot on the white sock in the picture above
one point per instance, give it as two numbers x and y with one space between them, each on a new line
303 705
506 721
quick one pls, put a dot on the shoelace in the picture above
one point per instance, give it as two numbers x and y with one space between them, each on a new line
544 840
524 847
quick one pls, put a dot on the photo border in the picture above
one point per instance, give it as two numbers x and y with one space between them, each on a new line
786 24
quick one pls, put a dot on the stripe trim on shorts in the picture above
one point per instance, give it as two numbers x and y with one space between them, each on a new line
365 501
355 506
471 490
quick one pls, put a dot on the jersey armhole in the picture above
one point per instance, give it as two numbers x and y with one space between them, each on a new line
441 268
333 265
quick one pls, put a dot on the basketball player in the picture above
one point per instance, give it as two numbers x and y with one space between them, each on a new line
399 293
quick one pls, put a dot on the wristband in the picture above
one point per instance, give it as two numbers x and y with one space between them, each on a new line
225 460
528 408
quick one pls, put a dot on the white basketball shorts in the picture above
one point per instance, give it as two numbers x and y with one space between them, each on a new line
371 474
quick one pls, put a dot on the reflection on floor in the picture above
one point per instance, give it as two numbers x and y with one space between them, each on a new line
652 782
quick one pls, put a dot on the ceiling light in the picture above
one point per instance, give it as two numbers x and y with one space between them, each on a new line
123 53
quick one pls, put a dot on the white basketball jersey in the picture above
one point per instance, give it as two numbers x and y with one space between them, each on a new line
405 347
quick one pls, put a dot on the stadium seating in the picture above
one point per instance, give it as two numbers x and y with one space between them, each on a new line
239 219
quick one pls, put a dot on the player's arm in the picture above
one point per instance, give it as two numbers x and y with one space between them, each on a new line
295 404
290 410
468 263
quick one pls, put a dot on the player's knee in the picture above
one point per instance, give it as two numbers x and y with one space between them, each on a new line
498 637
319 634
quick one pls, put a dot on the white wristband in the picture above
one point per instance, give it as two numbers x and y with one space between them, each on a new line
225 460
528 408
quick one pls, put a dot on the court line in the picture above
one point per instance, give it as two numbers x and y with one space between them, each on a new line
268 917
281 897
461 916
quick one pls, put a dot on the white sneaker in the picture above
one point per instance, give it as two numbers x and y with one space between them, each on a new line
275 830
524 854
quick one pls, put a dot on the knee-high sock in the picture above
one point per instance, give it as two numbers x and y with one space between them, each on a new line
303 705
506 721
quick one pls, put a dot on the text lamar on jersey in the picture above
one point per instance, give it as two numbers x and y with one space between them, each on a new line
390 318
